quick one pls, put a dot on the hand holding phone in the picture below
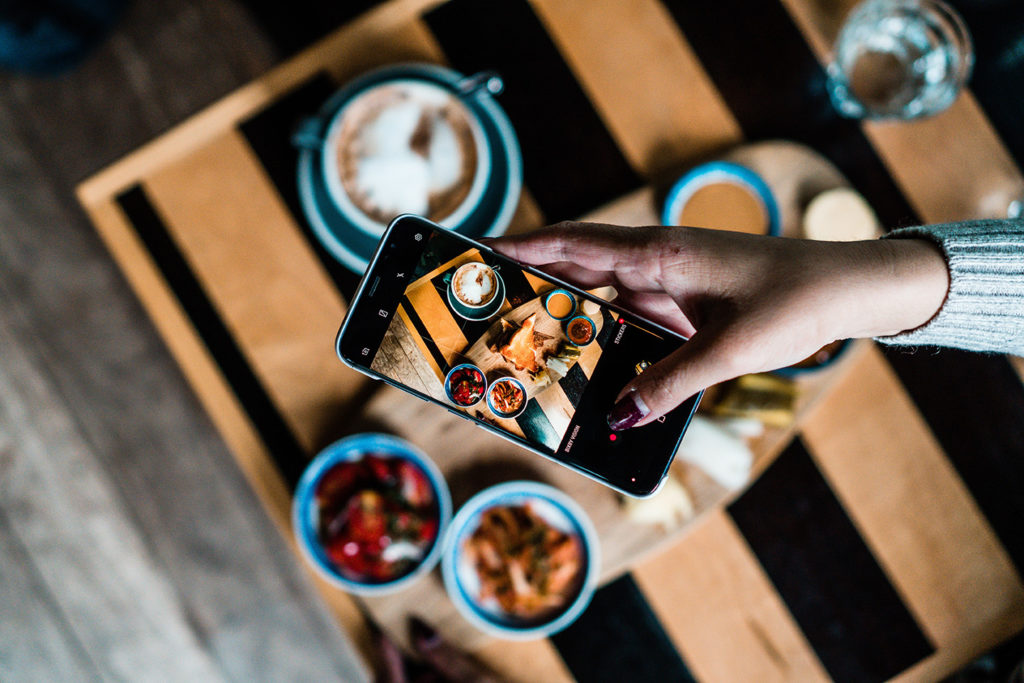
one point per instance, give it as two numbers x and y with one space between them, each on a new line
523 354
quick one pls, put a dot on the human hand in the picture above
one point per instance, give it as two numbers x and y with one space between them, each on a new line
748 303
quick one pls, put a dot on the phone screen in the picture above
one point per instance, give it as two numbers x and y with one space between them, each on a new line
504 345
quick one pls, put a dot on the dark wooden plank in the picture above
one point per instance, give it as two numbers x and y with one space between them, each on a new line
244 595
39 644
839 596
165 61
90 560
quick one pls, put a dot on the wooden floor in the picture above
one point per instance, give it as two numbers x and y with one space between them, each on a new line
130 545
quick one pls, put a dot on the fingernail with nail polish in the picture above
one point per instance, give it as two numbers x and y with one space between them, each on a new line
627 412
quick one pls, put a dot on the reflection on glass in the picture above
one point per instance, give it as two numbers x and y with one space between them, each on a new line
899 59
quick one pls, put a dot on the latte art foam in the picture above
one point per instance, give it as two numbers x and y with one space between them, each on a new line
407 148
474 284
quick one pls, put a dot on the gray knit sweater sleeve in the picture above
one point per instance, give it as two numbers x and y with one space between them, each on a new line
984 309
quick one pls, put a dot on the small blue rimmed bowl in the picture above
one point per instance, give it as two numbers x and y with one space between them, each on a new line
453 372
573 304
462 581
715 172
306 511
497 384
593 329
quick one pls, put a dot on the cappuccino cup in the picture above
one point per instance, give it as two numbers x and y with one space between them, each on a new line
474 285
405 145
724 196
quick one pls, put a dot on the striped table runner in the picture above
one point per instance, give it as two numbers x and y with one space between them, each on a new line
884 541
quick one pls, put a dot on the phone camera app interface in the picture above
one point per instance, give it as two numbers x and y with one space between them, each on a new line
514 350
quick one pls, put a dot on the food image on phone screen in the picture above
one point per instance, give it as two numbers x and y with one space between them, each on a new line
512 349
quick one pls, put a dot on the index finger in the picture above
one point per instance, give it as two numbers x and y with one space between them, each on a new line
594 246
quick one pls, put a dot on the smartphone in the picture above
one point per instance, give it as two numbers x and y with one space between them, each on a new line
522 354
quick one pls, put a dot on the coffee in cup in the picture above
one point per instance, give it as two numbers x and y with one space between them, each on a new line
407 146
724 196
474 284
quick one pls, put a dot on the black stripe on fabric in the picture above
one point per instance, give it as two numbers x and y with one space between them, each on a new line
269 135
428 341
997 27
295 24
570 160
284 448
819 564
974 405
775 87
618 638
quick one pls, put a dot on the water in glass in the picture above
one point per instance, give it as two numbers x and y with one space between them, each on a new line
899 59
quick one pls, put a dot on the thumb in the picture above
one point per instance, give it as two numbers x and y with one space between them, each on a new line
697 364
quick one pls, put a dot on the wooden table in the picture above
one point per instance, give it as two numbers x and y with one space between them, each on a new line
868 547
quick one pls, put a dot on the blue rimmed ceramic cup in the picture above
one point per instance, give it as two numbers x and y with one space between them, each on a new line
462 581
425 93
353 240
553 301
728 174
585 323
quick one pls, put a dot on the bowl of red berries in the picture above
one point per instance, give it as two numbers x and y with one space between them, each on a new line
369 513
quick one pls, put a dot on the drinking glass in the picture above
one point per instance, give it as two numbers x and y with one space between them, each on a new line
899 59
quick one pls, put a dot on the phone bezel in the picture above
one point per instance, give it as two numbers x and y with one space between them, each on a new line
428 225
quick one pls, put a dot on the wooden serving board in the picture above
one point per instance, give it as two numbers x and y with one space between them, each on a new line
549 335
556 409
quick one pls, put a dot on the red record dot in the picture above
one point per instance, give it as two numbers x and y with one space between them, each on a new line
622 320
612 437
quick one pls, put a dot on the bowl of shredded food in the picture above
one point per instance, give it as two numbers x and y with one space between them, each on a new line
521 560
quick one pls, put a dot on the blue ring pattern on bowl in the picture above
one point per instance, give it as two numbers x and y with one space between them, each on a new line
572 298
353 247
490 403
593 329
725 168
467 521
447 390
352 448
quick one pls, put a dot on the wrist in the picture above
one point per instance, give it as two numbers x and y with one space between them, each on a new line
900 285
